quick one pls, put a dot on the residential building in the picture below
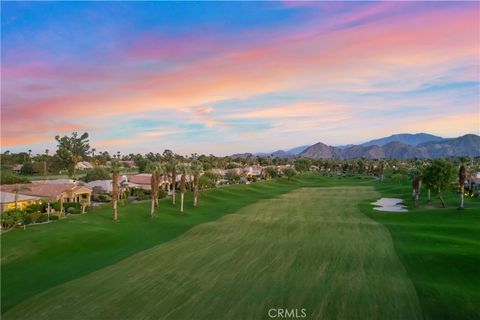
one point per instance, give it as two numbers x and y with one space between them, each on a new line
7 201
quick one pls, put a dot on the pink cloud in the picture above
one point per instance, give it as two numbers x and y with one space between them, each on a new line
210 69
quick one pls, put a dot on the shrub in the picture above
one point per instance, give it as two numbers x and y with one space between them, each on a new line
96 174
66 205
27 168
12 218
43 218
73 210
233 177
102 197
33 217
11 178
53 217
35 208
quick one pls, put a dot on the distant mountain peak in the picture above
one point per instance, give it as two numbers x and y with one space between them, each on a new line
413 139
466 145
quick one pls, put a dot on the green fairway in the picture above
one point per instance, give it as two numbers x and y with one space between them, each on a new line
276 245
440 248
307 249
44 256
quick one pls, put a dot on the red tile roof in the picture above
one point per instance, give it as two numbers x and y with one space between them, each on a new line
40 189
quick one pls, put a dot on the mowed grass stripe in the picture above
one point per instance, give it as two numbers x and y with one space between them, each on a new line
311 248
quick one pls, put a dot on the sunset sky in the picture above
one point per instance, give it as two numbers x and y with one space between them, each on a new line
235 77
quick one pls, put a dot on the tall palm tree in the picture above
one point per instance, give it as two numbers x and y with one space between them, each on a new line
153 168
115 188
462 177
45 173
416 189
173 166
160 172
196 169
184 170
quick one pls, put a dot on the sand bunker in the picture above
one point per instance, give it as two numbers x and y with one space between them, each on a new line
389 205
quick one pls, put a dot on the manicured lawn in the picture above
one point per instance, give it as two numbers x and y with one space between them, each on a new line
306 249
279 244
47 255
440 248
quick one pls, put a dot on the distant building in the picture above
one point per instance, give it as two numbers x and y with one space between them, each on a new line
17 168
253 171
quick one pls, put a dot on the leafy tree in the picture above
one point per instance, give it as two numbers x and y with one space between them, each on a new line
233 177
71 150
210 179
8 177
28 168
270 172
302 165
437 176
142 164
97 174
290 172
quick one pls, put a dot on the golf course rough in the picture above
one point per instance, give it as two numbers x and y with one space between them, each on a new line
308 249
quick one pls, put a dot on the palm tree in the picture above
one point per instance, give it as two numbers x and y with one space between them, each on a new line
462 176
153 168
184 170
173 166
416 189
84 204
45 172
115 191
196 169
75 160
124 191
16 190
49 201
159 173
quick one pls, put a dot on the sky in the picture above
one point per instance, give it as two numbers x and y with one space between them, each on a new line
228 77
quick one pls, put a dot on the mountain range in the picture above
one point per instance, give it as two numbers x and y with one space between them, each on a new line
398 146
404 146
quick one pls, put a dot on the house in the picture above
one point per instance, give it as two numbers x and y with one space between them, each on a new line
105 185
129 164
253 171
67 192
143 180
7 201
17 168
82 165
221 172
